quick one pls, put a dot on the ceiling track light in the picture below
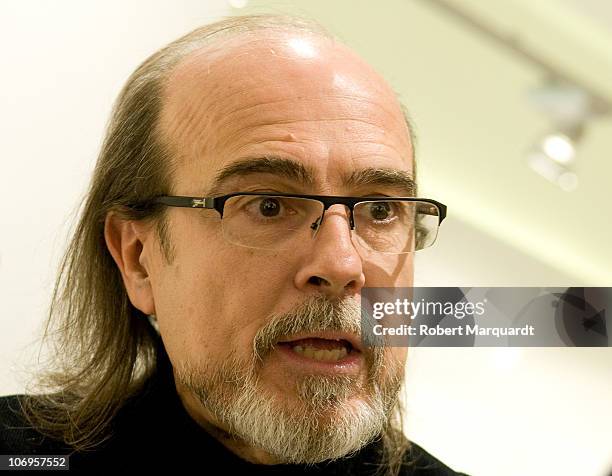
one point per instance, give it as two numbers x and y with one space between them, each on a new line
553 156
562 176
568 108
568 102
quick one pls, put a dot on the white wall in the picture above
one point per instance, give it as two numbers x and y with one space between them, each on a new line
63 64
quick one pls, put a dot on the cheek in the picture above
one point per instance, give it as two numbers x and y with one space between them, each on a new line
212 306
254 287
395 271
188 317
189 294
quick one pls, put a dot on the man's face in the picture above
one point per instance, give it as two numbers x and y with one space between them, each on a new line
223 309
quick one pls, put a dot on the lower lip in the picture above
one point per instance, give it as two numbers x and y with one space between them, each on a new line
351 364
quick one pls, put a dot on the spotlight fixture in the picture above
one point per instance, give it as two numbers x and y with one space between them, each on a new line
559 147
552 170
568 107
553 156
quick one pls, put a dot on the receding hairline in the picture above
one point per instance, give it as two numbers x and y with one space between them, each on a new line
197 43
216 35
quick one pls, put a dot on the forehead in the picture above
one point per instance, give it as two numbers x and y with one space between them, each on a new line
288 94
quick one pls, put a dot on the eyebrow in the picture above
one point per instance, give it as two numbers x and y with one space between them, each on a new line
295 171
400 180
278 166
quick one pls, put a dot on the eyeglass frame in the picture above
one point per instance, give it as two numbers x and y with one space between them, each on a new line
218 203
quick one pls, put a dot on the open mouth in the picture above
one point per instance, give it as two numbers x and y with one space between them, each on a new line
323 349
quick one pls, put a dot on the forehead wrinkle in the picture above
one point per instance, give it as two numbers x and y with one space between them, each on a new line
188 99
249 136
341 99
210 95
356 113
299 120
224 94
179 123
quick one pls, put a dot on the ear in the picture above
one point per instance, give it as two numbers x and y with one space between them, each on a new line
126 242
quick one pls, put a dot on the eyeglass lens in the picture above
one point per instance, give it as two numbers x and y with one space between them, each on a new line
276 222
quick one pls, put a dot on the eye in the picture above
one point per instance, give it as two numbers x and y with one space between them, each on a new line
380 210
269 207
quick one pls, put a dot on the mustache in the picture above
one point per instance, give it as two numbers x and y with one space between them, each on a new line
315 314
318 313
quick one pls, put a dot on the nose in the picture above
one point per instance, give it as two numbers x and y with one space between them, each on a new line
333 266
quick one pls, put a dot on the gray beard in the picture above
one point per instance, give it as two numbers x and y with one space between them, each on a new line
321 417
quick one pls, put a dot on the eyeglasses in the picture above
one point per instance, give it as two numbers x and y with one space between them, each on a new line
280 221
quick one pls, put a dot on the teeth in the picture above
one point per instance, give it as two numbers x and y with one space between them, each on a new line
325 355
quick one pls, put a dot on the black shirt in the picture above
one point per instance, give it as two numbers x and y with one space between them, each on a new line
153 431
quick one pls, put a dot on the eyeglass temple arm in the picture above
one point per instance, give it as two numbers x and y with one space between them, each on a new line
429 210
189 202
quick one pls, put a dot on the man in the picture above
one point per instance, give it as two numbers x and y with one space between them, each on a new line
207 311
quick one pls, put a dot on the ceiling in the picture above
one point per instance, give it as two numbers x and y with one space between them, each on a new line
468 97
596 11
